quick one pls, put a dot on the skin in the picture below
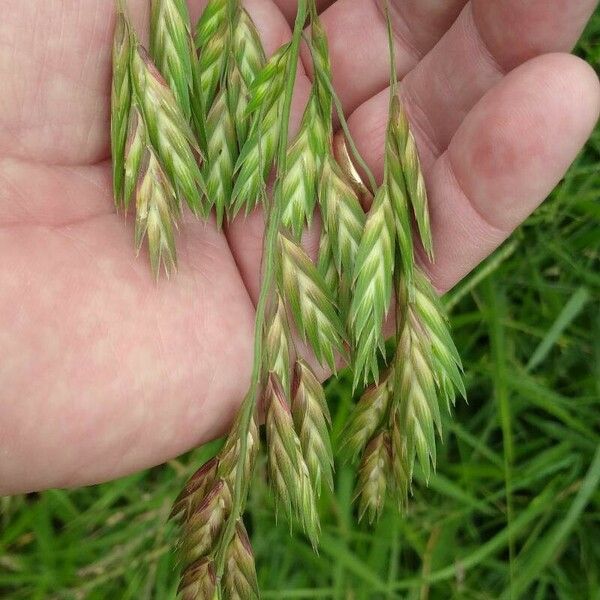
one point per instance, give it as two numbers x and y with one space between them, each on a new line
103 371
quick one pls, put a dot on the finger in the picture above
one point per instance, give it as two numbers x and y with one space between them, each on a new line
449 81
506 157
359 46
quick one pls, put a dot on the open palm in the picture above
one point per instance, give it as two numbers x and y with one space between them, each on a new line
103 371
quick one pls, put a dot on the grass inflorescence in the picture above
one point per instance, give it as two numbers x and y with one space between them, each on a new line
204 118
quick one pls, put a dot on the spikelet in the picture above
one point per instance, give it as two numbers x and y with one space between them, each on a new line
203 528
373 476
343 216
199 581
312 423
157 210
256 156
368 416
310 302
304 164
427 371
120 101
239 582
288 472
373 283
221 155
171 48
170 135
249 59
409 162
195 490
211 40
402 465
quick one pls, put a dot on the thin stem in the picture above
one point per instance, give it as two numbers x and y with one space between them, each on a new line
269 263
391 46
360 161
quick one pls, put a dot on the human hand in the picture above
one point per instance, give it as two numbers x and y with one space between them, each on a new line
103 371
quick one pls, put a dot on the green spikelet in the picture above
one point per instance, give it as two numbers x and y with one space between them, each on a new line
211 40
157 210
373 282
120 102
368 416
256 156
169 133
221 156
312 422
309 300
288 471
172 49
408 159
304 162
373 476
428 371
249 59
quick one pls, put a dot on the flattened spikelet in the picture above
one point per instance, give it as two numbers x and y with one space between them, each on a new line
203 528
373 476
368 416
343 216
239 581
170 134
211 40
408 158
172 50
373 282
198 581
312 422
264 110
428 372
221 156
156 213
120 102
288 471
310 302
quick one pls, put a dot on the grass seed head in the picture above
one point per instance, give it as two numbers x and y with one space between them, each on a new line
211 40
288 471
120 101
310 302
373 283
367 416
221 156
172 50
312 423
373 477
199 581
170 134
157 210
414 181
239 581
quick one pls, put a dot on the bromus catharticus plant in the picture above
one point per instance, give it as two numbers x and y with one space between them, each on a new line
204 120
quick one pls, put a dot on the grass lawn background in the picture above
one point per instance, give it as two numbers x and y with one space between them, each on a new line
513 511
